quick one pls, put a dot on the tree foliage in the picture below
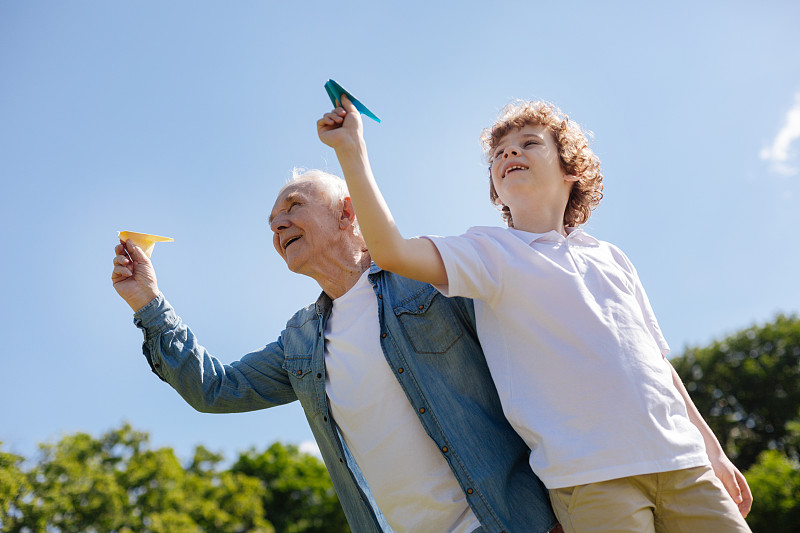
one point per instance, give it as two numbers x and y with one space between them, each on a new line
747 387
774 480
118 484
294 484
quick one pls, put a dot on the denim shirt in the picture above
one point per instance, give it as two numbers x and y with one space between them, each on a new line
431 345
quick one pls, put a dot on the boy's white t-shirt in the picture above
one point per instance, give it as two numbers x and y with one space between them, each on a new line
406 472
576 353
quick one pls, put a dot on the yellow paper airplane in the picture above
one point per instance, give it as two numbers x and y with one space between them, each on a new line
144 241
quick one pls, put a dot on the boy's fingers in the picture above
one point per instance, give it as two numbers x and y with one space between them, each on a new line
734 491
747 496
347 104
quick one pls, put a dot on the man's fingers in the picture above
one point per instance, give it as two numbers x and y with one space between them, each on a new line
136 253
120 272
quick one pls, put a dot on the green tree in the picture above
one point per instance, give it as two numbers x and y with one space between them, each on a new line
774 480
118 484
747 386
300 497
15 491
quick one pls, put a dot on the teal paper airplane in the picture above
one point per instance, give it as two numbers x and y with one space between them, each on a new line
335 91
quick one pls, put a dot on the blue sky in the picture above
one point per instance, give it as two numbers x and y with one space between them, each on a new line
184 118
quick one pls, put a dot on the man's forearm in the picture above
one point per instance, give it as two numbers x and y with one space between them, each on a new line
255 382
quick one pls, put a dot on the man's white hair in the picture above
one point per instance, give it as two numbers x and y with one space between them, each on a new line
334 187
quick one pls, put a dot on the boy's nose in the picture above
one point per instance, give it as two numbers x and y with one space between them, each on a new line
510 151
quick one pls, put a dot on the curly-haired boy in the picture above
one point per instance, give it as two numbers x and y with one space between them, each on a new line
571 341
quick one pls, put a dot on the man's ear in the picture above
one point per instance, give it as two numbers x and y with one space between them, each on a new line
348 215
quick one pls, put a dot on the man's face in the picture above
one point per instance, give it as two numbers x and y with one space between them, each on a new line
526 166
304 226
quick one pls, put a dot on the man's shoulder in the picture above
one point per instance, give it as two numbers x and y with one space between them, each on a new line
403 291
303 316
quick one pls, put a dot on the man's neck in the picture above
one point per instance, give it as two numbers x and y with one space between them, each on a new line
341 277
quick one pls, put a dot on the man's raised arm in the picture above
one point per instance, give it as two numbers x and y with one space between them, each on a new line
256 381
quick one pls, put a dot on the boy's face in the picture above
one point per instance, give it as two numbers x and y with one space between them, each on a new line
526 168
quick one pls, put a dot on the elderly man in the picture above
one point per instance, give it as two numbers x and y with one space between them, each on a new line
389 372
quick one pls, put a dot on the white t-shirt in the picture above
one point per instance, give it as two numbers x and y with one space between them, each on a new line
407 474
576 353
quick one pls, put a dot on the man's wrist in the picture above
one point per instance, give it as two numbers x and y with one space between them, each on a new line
141 301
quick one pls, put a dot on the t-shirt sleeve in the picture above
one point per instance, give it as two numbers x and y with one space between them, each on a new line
471 261
647 312
648 316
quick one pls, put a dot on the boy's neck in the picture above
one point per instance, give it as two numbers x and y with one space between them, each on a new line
538 222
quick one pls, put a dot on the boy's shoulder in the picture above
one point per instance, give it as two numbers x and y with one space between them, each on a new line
490 232
617 253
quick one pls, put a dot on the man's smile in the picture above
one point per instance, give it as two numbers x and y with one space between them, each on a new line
290 240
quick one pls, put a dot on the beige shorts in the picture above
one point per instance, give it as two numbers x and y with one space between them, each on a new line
689 500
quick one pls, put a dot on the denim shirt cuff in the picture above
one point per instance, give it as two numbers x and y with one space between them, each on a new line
155 317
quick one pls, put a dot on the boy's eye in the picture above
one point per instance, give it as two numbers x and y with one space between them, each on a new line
531 142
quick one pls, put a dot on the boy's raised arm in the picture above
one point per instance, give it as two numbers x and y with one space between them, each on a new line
342 130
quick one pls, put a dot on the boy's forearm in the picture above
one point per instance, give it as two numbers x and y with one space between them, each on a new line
713 446
374 217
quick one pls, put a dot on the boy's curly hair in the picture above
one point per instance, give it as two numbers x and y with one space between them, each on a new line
577 158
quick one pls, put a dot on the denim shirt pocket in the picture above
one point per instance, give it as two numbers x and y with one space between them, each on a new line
428 322
299 367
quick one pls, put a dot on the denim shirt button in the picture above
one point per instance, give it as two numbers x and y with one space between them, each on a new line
470 491
422 410
400 370
445 449
383 335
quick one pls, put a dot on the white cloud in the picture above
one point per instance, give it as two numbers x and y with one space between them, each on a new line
780 154
310 447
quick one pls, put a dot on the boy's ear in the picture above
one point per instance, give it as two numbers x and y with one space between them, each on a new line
348 214
571 178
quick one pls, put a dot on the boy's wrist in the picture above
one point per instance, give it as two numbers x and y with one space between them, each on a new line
354 148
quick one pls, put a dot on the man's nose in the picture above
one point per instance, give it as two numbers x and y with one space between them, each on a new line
279 223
